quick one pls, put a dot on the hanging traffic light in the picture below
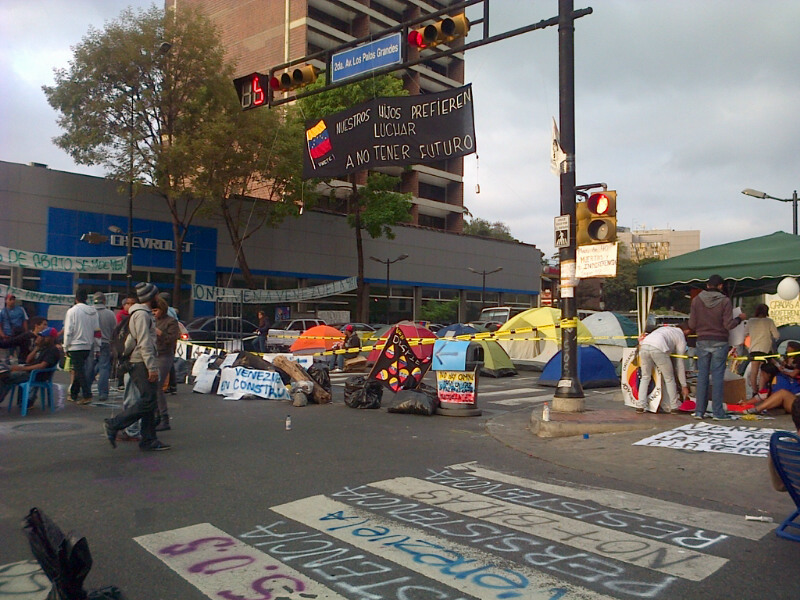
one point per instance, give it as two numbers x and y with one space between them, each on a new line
293 79
596 219
444 31
251 90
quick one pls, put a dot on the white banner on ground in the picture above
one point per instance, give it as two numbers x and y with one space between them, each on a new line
704 437
65 264
207 293
112 298
236 382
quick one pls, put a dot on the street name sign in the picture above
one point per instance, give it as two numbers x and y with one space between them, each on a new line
367 57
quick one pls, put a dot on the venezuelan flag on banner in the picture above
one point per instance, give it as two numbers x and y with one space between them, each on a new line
319 142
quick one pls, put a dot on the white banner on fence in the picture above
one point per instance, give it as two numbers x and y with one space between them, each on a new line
112 298
207 293
65 264
236 382
702 437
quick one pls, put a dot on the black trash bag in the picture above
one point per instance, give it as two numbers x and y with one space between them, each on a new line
413 402
66 560
320 373
360 393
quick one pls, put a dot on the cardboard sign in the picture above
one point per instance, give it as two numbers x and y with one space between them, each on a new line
457 387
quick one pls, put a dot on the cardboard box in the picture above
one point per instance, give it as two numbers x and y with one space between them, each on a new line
357 364
734 391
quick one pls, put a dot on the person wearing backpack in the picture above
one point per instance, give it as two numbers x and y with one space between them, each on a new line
141 379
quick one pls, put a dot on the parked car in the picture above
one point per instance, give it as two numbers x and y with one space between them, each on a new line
282 334
207 330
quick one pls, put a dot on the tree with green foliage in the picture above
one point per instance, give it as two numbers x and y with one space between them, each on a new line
439 312
483 228
374 207
150 98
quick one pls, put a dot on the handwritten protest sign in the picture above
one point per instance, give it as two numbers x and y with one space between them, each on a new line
703 437
456 387
42 261
394 131
208 293
236 382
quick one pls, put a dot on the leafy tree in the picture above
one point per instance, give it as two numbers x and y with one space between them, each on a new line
372 207
619 292
483 228
439 312
145 110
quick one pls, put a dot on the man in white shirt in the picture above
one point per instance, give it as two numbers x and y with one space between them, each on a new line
80 326
654 352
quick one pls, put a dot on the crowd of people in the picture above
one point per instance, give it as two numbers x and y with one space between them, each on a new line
712 319
143 367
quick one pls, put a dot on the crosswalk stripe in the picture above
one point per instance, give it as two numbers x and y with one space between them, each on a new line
643 505
237 569
590 537
464 568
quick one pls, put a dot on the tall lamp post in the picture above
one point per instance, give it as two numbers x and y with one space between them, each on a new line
793 200
162 50
388 262
484 274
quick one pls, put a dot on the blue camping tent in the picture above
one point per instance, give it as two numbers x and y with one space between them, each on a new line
594 369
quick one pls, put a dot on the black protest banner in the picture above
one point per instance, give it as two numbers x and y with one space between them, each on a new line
391 132
397 367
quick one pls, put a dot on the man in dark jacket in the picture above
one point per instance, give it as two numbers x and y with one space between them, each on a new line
711 318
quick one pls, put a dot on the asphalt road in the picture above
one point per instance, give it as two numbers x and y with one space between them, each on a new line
364 504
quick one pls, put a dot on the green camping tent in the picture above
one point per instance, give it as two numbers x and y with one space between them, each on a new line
753 266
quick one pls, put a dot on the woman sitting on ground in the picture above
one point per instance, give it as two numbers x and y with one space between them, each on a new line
787 384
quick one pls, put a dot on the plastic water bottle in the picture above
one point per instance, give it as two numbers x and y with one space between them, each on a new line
288 422
546 412
61 393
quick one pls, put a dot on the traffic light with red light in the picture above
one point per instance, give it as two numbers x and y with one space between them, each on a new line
444 31
596 219
294 78
252 90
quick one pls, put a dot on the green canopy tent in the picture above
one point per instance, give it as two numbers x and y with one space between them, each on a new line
749 267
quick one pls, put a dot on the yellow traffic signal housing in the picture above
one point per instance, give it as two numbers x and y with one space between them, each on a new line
596 219
290 80
444 31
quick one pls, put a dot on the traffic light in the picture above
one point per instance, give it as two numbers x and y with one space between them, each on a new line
251 90
444 31
293 79
596 219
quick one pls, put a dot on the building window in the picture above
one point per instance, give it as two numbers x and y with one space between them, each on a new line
432 222
432 192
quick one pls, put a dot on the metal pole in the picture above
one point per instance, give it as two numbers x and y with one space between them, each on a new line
483 290
388 291
569 395
129 237
794 212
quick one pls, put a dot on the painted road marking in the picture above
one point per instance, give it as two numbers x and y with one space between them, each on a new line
590 537
237 569
464 568
643 505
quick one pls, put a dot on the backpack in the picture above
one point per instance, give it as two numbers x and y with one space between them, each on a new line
118 339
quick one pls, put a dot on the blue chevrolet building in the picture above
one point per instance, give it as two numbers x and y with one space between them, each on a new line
51 211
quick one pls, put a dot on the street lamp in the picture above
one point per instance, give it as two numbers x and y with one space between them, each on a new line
793 200
484 274
388 262
162 50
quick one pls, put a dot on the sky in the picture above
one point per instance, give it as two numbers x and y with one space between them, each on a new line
679 106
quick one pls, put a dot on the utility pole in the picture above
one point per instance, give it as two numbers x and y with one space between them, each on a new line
569 395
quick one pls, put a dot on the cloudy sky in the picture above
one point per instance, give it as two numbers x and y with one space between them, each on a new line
680 104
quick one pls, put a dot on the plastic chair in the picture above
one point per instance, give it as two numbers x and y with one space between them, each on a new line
784 450
26 388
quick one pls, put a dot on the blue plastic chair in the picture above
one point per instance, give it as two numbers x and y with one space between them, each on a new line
784 450
28 388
